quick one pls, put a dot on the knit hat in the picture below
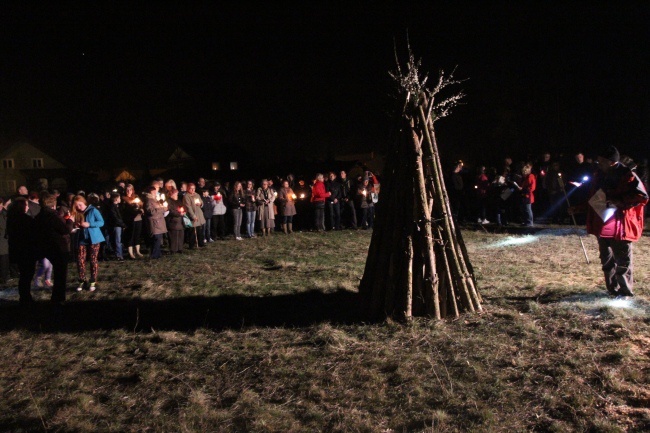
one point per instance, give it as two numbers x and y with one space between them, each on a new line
610 153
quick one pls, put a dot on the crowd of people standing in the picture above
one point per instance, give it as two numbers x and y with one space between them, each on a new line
42 232
527 191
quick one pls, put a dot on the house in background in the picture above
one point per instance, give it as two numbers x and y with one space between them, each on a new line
25 164
188 161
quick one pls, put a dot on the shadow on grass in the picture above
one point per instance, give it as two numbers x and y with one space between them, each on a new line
186 314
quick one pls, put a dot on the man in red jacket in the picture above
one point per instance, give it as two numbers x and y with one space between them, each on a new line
615 217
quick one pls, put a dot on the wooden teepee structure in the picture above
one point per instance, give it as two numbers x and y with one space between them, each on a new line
417 263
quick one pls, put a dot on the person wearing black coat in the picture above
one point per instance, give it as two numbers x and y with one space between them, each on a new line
53 243
334 201
21 237
115 224
208 209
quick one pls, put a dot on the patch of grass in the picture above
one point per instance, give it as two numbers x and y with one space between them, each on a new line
263 336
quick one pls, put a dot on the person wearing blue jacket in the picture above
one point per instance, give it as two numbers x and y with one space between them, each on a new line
88 220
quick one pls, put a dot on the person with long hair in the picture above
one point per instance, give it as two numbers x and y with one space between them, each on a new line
237 202
251 208
89 221
133 211
287 200
264 198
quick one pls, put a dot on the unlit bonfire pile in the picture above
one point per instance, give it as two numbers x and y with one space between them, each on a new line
417 262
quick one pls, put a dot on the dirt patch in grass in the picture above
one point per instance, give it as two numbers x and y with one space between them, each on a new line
263 336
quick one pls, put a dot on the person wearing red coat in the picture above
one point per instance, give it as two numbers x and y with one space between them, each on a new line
318 196
618 222
527 194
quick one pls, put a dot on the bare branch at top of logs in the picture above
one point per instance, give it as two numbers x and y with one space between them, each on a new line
417 264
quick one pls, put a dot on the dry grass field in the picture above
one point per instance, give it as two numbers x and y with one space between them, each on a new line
263 336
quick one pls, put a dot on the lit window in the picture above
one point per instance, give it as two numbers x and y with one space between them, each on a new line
216 166
7 163
234 166
37 162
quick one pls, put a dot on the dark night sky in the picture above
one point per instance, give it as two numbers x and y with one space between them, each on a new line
292 77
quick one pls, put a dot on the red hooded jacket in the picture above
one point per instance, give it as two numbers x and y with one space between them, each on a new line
624 188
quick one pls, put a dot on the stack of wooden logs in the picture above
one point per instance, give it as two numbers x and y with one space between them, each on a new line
417 263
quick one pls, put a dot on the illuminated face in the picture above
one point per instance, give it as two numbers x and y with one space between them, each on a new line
332 176
285 184
343 175
249 185
191 189
265 185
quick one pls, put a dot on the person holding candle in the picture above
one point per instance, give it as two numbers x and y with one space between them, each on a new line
193 203
175 227
287 199
364 198
133 211
251 208
155 212
219 212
